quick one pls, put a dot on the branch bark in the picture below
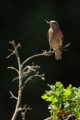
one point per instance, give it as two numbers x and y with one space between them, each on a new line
18 104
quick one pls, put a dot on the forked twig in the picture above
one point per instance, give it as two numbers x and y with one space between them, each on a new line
13 96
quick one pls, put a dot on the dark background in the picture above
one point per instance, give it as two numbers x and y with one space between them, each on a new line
23 21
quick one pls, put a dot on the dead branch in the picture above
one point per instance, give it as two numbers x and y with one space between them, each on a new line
13 69
49 118
67 117
13 96
44 53
31 77
23 70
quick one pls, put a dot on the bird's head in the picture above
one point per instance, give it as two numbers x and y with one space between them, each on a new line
53 24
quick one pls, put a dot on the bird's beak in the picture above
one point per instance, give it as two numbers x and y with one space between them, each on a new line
47 22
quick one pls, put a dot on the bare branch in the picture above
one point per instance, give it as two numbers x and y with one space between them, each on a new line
36 75
23 71
67 117
15 48
14 45
24 108
49 118
44 53
15 78
13 69
23 113
12 96
28 69
67 45
12 53
37 55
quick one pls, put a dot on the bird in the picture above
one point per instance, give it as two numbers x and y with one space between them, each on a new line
55 37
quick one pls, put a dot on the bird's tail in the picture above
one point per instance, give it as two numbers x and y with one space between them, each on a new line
58 55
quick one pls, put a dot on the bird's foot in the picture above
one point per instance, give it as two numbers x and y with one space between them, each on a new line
50 52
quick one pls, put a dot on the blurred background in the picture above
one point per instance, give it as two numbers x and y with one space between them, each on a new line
23 21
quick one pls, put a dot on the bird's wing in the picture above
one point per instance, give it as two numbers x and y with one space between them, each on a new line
60 34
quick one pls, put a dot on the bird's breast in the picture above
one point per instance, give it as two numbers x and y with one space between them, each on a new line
55 38
52 34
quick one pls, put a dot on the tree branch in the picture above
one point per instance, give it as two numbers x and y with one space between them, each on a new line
12 96
31 77
67 117
13 69
44 53
23 71
49 118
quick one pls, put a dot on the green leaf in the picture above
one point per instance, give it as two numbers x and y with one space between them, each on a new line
67 99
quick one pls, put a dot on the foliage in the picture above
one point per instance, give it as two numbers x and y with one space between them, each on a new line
64 102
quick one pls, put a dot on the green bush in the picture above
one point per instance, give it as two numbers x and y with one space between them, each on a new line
64 102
